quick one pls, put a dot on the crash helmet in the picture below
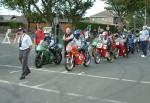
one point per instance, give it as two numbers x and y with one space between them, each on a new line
116 35
105 34
47 33
77 33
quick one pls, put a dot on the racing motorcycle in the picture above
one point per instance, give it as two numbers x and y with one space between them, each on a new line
76 56
47 55
122 49
100 50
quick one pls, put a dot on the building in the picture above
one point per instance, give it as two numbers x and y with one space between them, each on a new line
13 18
104 17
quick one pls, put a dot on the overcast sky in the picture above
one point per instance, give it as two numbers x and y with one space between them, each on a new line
97 7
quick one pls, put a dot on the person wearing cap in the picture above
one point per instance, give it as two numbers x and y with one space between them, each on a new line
144 36
25 45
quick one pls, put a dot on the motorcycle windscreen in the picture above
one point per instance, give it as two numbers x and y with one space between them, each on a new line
40 47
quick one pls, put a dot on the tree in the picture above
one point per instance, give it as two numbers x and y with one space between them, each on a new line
24 6
125 9
48 9
75 9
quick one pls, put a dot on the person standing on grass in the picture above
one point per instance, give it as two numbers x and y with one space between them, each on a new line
144 40
25 46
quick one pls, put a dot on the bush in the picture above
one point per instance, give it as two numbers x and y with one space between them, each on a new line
82 26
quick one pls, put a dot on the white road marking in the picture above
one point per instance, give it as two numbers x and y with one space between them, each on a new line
92 98
15 71
23 84
75 95
39 85
112 101
144 82
6 82
101 77
129 80
84 75
64 72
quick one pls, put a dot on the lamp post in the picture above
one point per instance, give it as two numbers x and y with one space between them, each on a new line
145 14
134 16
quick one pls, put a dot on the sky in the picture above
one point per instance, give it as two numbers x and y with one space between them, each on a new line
97 7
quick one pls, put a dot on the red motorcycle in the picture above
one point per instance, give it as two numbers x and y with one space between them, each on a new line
75 56
105 50
121 50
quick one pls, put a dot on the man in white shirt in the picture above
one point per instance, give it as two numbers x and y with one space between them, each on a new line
25 45
144 40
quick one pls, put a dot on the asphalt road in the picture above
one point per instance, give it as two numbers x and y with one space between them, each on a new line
124 81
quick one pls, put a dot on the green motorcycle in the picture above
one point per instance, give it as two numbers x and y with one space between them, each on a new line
46 55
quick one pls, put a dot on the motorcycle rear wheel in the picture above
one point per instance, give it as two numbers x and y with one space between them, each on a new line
58 58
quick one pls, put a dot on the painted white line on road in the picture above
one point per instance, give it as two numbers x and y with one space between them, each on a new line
92 98
83 75
23 84
15 71
112 101
40 85
75 95
3 81
64 72
129 80
145 82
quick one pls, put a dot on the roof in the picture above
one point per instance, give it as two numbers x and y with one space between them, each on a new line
10 18
105 14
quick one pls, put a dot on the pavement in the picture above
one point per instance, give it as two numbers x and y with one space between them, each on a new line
127 80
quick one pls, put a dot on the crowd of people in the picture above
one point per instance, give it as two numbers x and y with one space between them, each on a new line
138 40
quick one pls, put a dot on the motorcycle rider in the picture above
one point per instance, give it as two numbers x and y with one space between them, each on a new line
108 40
130 41
81 42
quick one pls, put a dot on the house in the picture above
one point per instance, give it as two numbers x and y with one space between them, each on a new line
5 21
13 18
104 17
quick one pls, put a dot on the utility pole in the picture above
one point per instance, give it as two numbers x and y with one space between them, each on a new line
145 14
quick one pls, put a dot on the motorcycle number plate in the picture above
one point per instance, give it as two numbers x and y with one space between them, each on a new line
99 45
117 43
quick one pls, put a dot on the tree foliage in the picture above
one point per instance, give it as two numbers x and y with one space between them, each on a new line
126 9
48 9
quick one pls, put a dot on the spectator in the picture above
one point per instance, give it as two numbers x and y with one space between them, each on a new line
25 45
94 33
68 36
39 35
144 40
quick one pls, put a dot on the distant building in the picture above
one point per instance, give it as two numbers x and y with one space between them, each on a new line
104 17
13 18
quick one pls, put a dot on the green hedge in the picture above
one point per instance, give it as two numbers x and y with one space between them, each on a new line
12 25
82 26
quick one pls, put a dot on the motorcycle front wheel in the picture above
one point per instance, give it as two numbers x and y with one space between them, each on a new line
69 63
97 57
38 61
